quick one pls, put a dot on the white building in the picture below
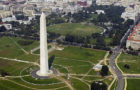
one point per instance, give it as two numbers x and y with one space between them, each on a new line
7 26
131 12
129 15
9 19
134 39
100 11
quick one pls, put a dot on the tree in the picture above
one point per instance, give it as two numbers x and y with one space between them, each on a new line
3 73
110 52
96 35
25 42
98 85
102 18
0 20
116 39
100 42
21 17
69 38
126 66
130 48
2 29
104 70
69 14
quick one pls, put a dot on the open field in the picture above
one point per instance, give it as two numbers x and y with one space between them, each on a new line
9 48
74 29
7 85
132 61
107 40
133 84
13 68
74 63
27 47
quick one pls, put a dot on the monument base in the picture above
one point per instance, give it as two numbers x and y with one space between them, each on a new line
49 73
36 73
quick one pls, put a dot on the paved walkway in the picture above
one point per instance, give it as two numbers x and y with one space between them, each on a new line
23 61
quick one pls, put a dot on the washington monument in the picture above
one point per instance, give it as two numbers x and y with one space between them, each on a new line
44 70
44 67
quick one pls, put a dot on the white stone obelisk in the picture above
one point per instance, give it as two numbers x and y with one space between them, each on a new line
44 67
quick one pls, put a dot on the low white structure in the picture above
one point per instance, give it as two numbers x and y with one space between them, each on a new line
97 67
9 19
24 21
100 11
7 26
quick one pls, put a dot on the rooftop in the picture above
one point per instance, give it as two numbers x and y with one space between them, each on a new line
135 35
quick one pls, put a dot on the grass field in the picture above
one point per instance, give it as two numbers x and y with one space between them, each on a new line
7 85
74 61
79 60
132 61
13 68
9 48
74 29
106 40
133 84
38 86
26 47
79 53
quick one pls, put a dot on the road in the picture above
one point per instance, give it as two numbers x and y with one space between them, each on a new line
118 73
116 51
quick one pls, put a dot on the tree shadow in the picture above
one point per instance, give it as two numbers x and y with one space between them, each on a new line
51 59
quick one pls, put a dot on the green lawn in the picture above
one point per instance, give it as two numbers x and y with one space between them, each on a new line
71 60
78 60
79 53
41 81
106 40
8 48
26 47
37 86
78 85
7 85
133 84
92 41
74 29
94 16
11 67
132 61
